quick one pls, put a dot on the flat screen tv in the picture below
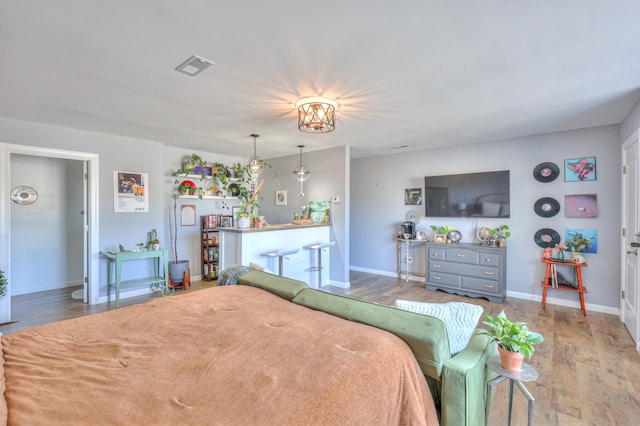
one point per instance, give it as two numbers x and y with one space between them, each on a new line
484 194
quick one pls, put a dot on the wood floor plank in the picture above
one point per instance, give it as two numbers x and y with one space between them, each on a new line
588 366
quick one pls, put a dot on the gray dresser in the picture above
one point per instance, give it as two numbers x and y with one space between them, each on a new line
467 269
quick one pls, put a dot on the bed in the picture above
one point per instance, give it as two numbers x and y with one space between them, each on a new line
225 355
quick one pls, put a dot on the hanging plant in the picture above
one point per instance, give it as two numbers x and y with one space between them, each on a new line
4 283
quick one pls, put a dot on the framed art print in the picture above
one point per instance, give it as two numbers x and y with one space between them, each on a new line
580 169
131 192
581 206
413 196
281 197
188 215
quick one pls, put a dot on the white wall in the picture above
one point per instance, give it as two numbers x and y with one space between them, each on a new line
377 190
47 236
631 123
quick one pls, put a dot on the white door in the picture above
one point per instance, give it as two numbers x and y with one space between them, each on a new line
630 299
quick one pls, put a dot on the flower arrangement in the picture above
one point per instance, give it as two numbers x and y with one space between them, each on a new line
561 248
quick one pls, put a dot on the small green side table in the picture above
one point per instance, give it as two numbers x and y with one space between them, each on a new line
158 282
526 374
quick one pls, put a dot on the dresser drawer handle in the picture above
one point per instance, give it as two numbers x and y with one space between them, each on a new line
488 260
435 254
488 273
435 278
435 265
487 286
461 255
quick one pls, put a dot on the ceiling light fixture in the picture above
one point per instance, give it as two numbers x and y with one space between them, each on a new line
316 115
255 166
301 172
194 65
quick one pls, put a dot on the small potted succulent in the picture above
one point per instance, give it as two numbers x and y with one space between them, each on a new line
515 340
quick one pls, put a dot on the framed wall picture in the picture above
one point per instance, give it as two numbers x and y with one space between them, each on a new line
580 169
440 238
188 215
281 197
413 196
581 240
131 192
583 206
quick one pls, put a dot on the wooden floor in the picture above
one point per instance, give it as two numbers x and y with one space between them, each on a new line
589 369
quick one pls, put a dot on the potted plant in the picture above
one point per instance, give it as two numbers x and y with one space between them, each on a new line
4 283
499 235
177 268
515 340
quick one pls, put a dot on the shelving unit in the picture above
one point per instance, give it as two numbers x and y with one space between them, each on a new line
210 246
580 289
203 180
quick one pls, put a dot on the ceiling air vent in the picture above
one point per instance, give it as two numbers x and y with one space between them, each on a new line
194 65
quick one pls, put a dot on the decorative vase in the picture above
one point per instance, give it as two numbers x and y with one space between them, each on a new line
244 222
510 360
560 255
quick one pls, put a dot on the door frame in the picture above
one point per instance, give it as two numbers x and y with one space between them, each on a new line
625 243
93 252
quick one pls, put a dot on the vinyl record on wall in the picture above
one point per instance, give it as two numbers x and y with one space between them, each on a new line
546 172
546 207
546 237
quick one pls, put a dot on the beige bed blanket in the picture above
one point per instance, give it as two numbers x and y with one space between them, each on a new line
227 356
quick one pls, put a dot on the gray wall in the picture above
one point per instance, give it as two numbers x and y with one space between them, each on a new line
377 190
329 178
115 154
47 236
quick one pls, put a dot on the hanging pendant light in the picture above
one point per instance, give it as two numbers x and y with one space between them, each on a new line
255 166
301 172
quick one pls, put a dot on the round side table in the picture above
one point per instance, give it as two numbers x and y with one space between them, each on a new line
526 374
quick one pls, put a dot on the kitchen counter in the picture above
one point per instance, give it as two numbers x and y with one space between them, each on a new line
244 246
278 227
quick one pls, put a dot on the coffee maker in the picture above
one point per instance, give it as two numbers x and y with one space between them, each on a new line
408 228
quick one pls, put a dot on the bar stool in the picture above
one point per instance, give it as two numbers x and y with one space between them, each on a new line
320 248
280 254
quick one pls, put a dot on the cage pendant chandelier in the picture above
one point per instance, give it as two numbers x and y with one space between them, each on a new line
316 115
255 166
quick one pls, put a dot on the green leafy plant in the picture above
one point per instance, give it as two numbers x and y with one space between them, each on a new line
4 283
444 230
500 232
512 336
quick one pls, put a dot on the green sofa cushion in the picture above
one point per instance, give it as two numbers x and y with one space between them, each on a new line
425 335
280 286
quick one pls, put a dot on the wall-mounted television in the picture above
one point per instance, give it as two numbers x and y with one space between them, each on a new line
484 194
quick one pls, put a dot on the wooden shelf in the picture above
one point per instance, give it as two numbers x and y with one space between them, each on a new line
564 287
208 197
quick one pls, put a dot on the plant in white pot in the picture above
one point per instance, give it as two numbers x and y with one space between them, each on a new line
515 340
177 268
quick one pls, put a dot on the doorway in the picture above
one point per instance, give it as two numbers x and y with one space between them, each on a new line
630 298
48 218
90 253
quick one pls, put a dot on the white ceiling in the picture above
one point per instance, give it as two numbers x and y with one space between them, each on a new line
407 72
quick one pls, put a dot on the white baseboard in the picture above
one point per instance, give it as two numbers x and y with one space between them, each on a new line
133 293
514 294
